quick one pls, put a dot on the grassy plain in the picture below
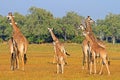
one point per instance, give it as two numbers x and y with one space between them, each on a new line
40 67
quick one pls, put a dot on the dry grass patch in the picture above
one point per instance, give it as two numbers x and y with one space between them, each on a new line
40 67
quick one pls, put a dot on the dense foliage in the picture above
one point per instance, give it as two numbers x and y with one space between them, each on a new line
109 28
34 26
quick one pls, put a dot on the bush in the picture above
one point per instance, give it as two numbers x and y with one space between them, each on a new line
78 39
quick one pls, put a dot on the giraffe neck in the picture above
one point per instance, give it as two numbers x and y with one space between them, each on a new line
15 28
91 38
53 36
89 28
88 25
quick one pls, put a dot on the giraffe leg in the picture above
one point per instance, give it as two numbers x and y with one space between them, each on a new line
106 64
85 57
62 68
86 61
88 57
94 61
22 57
91 60
94 66
62 65
91 67
17 61
101 69
83 61
55 57
58 68
12 61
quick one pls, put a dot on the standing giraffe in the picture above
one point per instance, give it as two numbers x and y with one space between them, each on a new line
20 42
95 50
60 53
85 46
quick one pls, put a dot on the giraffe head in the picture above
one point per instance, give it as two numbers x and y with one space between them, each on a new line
89 20
50 29
10 16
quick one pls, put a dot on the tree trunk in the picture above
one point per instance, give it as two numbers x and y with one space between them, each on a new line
106 39
101 36
64 33
65 37
113 40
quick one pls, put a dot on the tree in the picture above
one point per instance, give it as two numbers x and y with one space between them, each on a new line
112 20
5 29
70 23
37 22
109 26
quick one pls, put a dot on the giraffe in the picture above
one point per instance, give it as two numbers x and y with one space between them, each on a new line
96 49
60 52
85 46
20 42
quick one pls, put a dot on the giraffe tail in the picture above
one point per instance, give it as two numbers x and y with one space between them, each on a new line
67 54
108 59
25 58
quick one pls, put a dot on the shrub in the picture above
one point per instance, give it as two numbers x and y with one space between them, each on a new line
78 39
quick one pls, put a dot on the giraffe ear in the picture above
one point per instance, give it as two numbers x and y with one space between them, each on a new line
48 28
16 23
10 23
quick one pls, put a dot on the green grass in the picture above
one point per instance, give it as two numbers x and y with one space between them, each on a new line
40 67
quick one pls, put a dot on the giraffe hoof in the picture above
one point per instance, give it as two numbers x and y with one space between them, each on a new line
109 73
12 68
100 73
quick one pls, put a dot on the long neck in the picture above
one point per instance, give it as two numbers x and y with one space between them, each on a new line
88 26
89 29
15 28
91 39
53 36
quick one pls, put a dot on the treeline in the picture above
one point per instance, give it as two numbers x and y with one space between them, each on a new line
34 26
